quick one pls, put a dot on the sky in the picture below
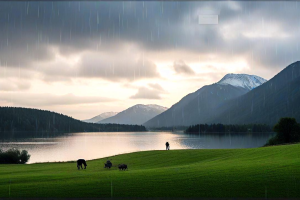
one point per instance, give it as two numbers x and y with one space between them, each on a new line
85 58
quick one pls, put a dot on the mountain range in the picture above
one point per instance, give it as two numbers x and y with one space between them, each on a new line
238 99
279 97
137 114
203 104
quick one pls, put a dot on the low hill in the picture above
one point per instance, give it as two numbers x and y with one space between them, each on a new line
14 119
267 172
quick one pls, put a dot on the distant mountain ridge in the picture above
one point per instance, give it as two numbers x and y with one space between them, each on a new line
203 104
101 117
137 114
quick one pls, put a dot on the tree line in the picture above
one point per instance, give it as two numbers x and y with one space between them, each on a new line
169 128
15 119
226 128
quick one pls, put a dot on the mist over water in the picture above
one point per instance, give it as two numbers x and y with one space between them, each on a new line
44 148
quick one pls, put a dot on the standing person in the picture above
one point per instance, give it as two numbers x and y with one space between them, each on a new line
167 146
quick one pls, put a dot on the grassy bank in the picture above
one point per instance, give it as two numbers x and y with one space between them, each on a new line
258 172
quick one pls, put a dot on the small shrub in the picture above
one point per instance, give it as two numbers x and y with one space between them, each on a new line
14 156
272 141
24 157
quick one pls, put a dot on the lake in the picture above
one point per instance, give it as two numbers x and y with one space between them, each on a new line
44 148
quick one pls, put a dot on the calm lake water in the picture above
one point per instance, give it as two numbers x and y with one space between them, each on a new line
43 148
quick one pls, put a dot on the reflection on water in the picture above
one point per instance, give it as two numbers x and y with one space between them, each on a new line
48 148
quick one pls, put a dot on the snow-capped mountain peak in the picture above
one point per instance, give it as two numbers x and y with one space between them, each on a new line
150 106
147 108
101 117
242 80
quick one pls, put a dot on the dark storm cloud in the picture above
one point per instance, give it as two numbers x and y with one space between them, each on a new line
181 67
29 30
276 51
78 24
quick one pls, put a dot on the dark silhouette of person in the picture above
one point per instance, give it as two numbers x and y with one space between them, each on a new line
80 162
167 146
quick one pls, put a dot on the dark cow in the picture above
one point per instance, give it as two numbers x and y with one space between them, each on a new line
108 164
80 162
122 167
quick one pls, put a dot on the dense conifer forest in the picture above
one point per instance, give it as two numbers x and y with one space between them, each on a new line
222 128
14 119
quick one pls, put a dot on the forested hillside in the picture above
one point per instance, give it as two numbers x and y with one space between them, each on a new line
14 119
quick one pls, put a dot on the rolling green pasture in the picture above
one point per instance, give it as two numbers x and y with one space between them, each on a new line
258 172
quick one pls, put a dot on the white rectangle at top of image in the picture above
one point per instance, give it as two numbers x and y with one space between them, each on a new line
208 19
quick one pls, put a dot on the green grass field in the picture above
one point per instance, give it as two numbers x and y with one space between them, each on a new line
257 172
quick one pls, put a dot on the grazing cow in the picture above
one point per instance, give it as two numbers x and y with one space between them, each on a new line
108 164
80 162
122 167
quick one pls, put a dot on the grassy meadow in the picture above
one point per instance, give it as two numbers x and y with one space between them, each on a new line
258 172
